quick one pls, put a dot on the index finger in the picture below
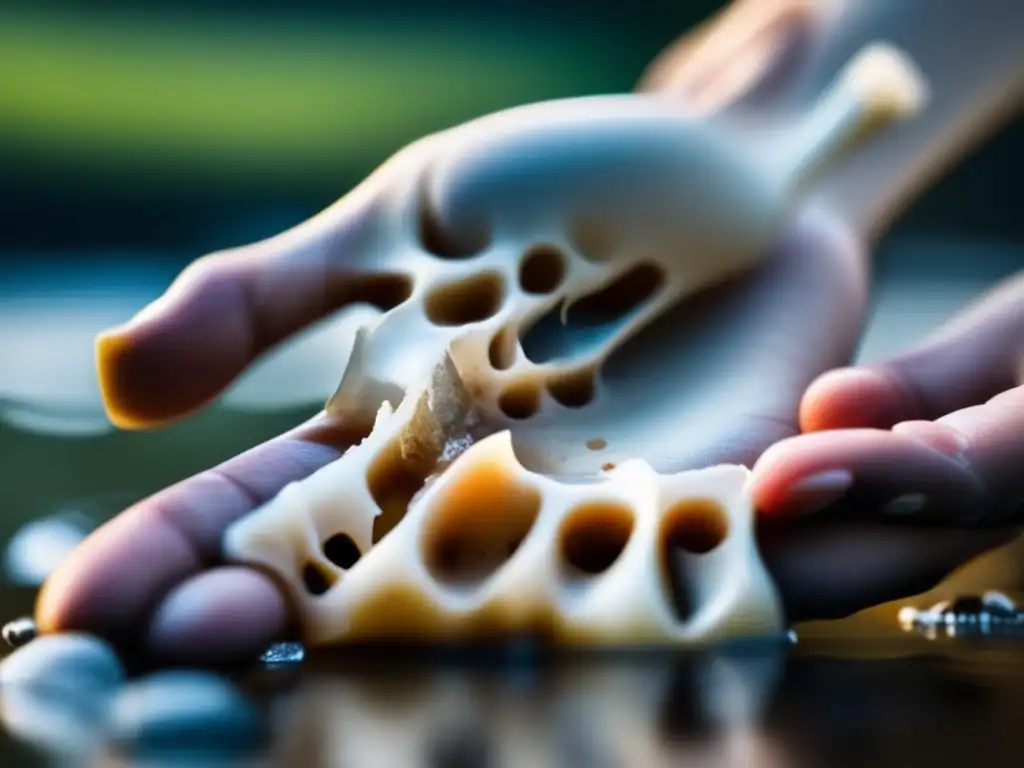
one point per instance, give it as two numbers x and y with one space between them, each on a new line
115 582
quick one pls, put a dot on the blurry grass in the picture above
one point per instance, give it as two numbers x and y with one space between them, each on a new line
270 95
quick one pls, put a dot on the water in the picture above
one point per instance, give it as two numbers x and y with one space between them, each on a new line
911 702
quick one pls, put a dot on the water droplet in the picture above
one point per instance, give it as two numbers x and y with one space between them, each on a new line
282 654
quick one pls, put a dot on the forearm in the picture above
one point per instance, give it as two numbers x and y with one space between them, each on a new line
775 56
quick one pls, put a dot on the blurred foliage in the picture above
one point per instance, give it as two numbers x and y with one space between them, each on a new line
195 127
288 96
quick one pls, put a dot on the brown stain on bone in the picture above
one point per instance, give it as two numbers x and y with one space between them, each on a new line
476 524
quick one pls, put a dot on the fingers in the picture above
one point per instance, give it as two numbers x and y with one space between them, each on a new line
963 468
971 359
751 55
218 616
135 580
228 308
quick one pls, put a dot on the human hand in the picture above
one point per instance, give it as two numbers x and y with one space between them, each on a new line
152 579
930 436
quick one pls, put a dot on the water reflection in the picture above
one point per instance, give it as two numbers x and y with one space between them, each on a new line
603 714
716 709
743 706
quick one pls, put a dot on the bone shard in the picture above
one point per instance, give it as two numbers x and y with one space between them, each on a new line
538 242
365 492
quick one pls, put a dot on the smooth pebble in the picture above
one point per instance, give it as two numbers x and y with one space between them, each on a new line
55 691
184 713
64 661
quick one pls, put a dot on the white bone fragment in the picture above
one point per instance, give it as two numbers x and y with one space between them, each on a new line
490 549
498 224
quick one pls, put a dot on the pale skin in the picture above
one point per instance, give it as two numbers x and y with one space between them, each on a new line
938 425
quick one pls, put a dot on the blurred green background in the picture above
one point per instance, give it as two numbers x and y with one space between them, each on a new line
134 138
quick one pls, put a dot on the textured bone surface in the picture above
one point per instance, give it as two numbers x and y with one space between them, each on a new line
491 548
536 243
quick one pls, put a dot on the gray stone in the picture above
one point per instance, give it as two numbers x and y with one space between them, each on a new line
19 632
68 722
184 714
55 691
64 661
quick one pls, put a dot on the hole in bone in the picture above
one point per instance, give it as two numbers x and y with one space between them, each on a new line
315 580
619 298
542 269
573 390
476 524
383 290
593 536
520 400
502 351
696 526
465 301
594 236
393 480
341 550
439 241
594 318
691 527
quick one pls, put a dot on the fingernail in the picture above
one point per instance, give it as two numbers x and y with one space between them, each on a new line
905 505
816 492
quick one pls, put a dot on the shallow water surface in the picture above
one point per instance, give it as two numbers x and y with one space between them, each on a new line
885 703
